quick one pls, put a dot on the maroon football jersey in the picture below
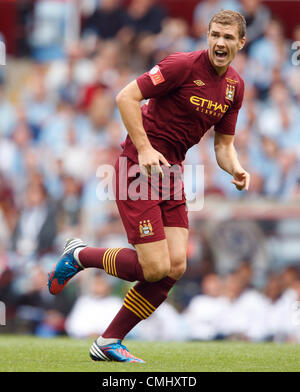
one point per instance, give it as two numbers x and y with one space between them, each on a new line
187 97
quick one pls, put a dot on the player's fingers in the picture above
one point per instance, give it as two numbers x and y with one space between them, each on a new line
156 169
144 170
244 181
163 160
240 185
148 170
247 182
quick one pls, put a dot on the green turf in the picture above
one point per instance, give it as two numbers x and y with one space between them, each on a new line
31 354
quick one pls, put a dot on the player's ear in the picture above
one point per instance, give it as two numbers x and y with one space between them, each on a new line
242 43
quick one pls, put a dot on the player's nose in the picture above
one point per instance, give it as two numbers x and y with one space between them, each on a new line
220 43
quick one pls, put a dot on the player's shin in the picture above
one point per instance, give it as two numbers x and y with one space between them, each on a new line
139 303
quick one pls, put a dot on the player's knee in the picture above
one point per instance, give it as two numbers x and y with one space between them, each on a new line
156 272
178 268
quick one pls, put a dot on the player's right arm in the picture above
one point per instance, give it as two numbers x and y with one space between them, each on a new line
129 103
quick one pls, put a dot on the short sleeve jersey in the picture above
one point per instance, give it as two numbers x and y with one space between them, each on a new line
186 98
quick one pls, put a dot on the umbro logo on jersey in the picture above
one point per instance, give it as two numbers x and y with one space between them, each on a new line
199 83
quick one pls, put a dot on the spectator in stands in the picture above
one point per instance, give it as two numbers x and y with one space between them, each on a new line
8 209
166 324
38 104
100 113
107 20
294 331
278 115
66 77
94 309
145 16
283 316
277 123
7 113
246 317
273 288
69 206
257 18
266 162
95 211
106 63
205 312
36 227
291 189
55 25
268 56
174 37
54 133
7 274
37 312
87 7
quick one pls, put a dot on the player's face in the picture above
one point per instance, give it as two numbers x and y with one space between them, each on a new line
223 42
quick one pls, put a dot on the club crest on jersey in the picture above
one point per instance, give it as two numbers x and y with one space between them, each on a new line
156 76
145 228
230 90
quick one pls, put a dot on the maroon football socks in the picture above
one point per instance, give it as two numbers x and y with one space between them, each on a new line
120 262
141 300
139 303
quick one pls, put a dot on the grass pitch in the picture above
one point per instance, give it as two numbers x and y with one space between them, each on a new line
31 354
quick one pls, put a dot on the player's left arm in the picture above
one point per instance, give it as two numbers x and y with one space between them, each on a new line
227 159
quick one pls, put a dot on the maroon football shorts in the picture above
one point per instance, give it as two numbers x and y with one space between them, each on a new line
146 205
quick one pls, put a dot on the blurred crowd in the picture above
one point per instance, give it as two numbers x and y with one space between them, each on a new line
59 123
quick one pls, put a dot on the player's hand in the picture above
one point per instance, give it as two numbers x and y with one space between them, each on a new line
150 160
241 180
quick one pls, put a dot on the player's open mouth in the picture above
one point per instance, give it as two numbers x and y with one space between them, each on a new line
220 54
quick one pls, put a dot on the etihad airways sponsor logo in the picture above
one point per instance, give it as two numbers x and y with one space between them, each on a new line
208 106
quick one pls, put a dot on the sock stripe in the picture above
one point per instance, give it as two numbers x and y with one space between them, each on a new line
138 301
135 302
114 261
133 311
143 310
137 311
104 259
143 299
109 261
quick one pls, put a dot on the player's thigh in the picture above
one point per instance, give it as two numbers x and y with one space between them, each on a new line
177 239
154 259
176 225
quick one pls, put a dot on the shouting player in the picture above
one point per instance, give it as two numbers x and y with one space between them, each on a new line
188 94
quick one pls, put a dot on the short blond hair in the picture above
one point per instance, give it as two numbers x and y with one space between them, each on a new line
229 17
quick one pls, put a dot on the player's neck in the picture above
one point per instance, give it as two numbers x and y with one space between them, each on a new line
220 70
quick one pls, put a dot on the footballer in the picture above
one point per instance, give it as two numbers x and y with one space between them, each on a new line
188 94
